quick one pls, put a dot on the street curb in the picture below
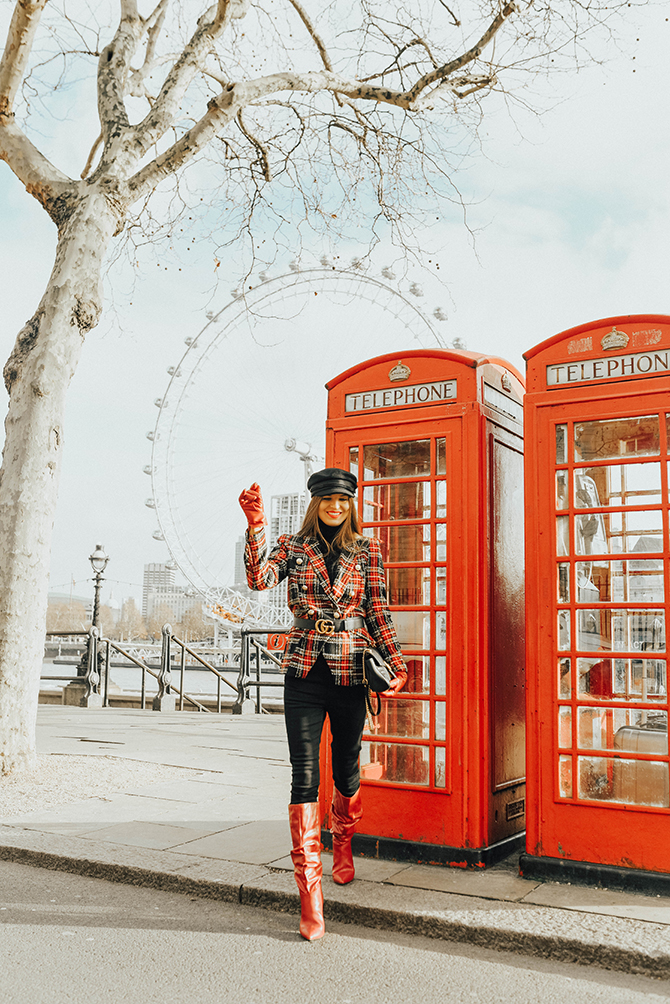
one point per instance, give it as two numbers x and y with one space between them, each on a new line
557 935
557 947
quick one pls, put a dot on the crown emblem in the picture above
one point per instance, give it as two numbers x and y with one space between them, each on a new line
506 383
399 371
614 340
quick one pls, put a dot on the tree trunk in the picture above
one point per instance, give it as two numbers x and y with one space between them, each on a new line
37 376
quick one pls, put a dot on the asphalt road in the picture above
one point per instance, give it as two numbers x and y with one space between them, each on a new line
66 939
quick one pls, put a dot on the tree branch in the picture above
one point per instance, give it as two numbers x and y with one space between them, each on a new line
24 24
152 25
41 179
220 111
261 150
166 106
113 70
318 41
467 57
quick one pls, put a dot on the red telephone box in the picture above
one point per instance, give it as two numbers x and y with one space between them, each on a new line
598 424
436 441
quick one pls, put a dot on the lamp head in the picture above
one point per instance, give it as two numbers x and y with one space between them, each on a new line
98 559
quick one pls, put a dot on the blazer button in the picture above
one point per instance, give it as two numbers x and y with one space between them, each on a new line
304 589
298 561
358 568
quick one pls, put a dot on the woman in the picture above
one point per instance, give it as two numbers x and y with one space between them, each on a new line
337 593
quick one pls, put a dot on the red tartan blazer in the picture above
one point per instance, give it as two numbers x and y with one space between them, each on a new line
359 590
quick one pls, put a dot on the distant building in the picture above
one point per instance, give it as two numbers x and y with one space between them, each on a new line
286 515
159 590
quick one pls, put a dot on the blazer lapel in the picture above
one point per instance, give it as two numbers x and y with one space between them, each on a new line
313 551
344 571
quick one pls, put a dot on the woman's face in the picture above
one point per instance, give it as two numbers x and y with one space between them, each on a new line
333 509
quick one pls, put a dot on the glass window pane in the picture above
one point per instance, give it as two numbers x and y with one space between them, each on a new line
418 674
440 767
563 630
440 674
617 437
565 776
623 679
440 542
636 581
405 719
412 628
618 485
408 587
618 532
396 460
561 444
440 631
623 728
405 501
640 782
563 582
440 499
353 460
399 763
634 782
440 721
621 630
440 586
562 535
565 727
564 678
441 456
561 489
402 543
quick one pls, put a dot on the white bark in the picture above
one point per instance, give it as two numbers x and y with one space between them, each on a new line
37 375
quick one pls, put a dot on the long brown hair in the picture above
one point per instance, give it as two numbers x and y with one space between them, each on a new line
348 537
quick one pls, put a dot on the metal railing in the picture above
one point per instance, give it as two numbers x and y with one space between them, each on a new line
99 649
244 680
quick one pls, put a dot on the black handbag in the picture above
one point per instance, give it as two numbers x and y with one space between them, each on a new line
377 677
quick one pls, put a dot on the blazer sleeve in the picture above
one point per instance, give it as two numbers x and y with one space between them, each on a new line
378 617
264 572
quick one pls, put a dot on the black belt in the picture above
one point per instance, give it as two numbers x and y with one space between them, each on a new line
329 625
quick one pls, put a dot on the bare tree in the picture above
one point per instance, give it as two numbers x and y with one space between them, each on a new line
306 111
130 624
67 617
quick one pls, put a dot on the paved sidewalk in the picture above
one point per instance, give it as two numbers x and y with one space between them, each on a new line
218 828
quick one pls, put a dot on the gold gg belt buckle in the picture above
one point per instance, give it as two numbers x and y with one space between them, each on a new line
324 627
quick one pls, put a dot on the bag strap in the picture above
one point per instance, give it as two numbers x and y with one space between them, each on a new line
368 700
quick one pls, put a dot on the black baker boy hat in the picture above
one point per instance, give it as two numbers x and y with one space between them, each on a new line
332 481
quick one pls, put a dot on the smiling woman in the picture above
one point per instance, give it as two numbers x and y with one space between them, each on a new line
337 594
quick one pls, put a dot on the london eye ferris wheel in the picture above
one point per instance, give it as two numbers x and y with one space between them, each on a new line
248 391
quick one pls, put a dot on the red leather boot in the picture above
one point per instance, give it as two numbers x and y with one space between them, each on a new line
345 813
306 855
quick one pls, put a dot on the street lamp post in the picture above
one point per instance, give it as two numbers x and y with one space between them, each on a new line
98 563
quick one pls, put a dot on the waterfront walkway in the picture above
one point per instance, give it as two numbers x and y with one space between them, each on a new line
196 803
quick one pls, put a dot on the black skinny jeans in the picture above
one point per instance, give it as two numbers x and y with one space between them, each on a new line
306 704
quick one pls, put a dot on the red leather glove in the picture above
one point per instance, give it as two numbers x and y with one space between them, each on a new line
397 684
251 502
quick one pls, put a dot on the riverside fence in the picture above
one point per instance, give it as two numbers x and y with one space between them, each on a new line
248 671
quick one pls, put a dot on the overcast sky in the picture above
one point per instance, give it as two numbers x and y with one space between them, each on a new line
571 213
